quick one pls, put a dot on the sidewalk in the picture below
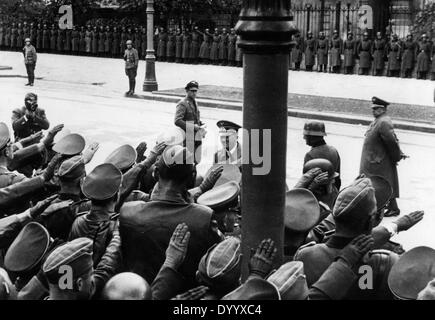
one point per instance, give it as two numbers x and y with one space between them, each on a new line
109 74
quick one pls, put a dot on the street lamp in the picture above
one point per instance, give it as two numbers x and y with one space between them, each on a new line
265 28
150 83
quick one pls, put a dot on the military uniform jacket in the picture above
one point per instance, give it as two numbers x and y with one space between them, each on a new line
379 53
224 156
394 54
187 114
145 237
409 55
423 58
381 152
131 58
25 127
318 257
349 53
335 48
364 50
322 51
8 178
310 51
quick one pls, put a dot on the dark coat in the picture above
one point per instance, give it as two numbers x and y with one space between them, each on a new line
297 48
24 128
381 152
170 47
394 55
145 237
379 52
214 49
408 58
423 58
364 50
318 257
349 48
310 52
322 51
335 50
223 156
186 46
194 45
223 47
232 39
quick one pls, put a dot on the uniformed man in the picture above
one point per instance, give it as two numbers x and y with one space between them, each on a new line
379 52
187 117
29 119
76 254
322 53
231 151
349 52
296 53
408 57
30 59
394 50
314 133
102 187
131 58
145 237
310 51
423 57
364 52
353 213
381 152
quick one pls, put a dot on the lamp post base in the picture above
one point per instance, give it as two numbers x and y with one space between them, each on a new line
150 83
150 86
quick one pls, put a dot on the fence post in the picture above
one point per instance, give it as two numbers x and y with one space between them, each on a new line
348 18
337 16
308 16
322 16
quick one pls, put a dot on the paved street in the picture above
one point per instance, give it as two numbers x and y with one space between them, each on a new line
102 114
109 73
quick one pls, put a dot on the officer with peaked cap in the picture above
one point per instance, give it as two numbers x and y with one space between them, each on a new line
381 152
412 273
353 214
314 135
123 158
187 117
231 151
73 262
302 213
101 186
70 145
29 119
146 236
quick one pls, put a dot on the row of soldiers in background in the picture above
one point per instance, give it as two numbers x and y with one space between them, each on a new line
380 56
180 46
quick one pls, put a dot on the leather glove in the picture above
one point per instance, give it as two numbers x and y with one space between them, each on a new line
48 141
211 179
40 207
177 248
319 180
140 150
261 262
407 221
193 294
307 178
49 171
356 249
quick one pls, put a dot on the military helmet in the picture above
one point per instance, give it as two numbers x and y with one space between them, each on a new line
314 128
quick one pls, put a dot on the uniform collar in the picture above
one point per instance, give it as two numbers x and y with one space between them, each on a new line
169 195
337 242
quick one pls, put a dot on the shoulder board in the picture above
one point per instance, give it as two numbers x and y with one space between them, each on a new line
307 245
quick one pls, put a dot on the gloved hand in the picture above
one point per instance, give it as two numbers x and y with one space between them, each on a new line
307 178
140 150
356 249
90 151
154 153
319 180
193 294
48 141
49 171
261 262
211 179
407 221
36 137
177 248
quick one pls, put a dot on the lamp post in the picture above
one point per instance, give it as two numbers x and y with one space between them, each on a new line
265 28
150 83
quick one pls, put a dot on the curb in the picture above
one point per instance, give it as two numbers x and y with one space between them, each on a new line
5 68
296 113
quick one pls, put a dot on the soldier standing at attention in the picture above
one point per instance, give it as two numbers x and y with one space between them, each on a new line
107 42
115 43
310 51
364 50
131 58
178 46
423 58
381 152
186 46
335 50
296 53
194 47
379 53
30 58
45 39
349 54
408 58
322 53
394 54
232 39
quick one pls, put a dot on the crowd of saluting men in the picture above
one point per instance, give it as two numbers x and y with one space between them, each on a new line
384 55
144 225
